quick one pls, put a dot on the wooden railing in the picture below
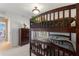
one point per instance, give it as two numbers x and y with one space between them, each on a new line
60 25
53 19
40 48
51 15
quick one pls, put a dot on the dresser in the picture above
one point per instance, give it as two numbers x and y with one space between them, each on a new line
23 36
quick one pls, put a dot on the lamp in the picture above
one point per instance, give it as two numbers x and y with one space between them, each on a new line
36 11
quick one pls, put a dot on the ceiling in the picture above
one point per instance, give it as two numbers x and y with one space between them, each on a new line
25 9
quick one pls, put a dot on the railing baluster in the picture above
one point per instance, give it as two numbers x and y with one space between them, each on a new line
58 52
41 21
41 48
44 50
63 53
53 16
69 13
50 16
63 13
58 14
54 52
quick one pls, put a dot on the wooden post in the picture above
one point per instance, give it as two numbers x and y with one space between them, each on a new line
77 29
30 39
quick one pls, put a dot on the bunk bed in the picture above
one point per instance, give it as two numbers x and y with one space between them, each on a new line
64 20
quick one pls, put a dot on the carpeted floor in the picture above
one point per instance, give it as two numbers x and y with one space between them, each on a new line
18 51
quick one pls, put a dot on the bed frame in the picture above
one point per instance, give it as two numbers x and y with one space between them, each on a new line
44 24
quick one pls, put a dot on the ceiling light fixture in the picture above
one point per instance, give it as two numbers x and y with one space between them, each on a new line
36 11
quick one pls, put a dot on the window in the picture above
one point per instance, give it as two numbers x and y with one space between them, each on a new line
3 29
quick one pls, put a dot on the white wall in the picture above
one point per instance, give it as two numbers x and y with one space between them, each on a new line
15 22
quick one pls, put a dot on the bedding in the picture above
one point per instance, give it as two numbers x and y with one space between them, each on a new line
17 51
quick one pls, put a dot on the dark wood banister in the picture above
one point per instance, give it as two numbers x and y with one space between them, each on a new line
69 7
51 47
